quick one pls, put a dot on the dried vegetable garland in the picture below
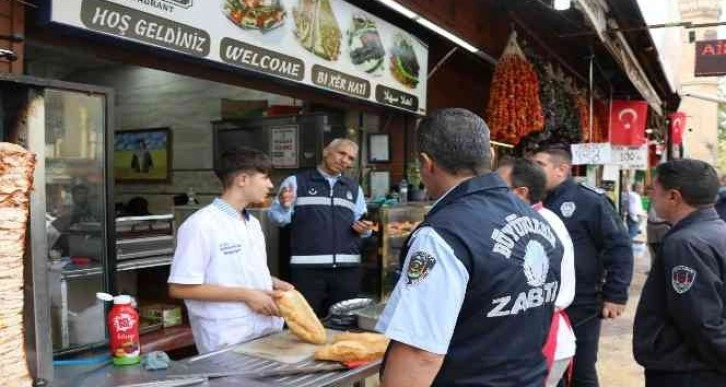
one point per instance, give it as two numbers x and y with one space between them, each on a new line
600 118
561 116
514 108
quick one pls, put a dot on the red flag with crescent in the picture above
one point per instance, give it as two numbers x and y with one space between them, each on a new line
627 122
678 125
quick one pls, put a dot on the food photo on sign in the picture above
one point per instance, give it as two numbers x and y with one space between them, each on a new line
262 15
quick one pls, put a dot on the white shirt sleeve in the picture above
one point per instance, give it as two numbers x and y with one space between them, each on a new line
190 257
424 307
567 268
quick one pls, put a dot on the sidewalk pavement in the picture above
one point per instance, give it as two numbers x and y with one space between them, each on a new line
616 366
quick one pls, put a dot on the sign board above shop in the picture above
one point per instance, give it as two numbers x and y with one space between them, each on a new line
710 58
327 44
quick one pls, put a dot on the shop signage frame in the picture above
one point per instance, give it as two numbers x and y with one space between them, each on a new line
710 58
328 47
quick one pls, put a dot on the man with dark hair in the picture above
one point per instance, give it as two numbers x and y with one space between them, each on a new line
679 335
603 255
220 263
528 182
323 200
476 294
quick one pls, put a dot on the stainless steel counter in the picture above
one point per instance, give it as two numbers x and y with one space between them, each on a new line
225 360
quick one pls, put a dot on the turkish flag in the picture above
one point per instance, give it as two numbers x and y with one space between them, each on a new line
627 122
678 124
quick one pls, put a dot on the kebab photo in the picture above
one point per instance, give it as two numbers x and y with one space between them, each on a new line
404 64
364 43
262 15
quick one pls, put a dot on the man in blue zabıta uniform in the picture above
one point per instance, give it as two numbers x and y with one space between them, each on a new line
324 209
481 273
679 335
603 255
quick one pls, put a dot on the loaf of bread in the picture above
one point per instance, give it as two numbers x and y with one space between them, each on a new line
366 348
300 317
364 337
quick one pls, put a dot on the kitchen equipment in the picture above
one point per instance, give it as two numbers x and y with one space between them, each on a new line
283 347
144 236
341 316
368 317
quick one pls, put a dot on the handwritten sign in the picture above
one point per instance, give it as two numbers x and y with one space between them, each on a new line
595 153
631 157
284 146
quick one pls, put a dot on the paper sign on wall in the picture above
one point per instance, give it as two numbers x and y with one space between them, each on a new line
631 157
284 146
591 153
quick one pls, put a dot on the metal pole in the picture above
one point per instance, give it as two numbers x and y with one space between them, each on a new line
441 62
592 97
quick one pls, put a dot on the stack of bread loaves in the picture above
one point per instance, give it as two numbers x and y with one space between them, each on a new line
346 347
16 181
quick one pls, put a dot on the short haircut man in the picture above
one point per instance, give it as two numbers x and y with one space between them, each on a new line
680 324
696 181
525 173
241 159
457 140
452 298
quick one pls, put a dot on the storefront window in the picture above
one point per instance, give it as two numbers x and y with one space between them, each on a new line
75 197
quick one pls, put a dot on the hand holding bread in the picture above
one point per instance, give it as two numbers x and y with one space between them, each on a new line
300 317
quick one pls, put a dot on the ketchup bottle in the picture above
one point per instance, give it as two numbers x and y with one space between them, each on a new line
123 331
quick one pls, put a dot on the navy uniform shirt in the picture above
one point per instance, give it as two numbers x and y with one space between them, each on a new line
680 325
603 250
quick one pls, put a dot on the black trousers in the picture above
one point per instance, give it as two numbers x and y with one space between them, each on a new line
323 287
586 322
684 379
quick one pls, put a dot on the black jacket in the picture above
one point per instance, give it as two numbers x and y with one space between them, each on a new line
680 325
603 250
721 205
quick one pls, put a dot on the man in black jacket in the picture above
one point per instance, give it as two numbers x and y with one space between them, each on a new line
603 256
680 326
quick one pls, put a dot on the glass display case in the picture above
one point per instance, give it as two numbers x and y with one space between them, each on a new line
396 224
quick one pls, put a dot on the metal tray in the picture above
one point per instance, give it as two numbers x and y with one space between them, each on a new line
368 317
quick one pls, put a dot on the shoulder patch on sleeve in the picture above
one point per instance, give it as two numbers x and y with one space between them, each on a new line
682 278
419 267
589 187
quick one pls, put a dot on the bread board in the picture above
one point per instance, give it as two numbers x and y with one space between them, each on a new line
283 347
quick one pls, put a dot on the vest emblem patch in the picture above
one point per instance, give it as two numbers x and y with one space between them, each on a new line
536 265
682 278
419 267
567 209
349 195
312 192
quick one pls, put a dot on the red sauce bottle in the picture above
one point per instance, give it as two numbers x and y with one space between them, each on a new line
123 329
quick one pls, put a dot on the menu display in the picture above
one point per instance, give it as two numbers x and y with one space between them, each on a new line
328 44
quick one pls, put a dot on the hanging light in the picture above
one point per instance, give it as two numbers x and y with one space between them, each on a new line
562 5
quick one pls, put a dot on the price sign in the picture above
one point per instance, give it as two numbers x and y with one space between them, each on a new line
591 153
631 157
